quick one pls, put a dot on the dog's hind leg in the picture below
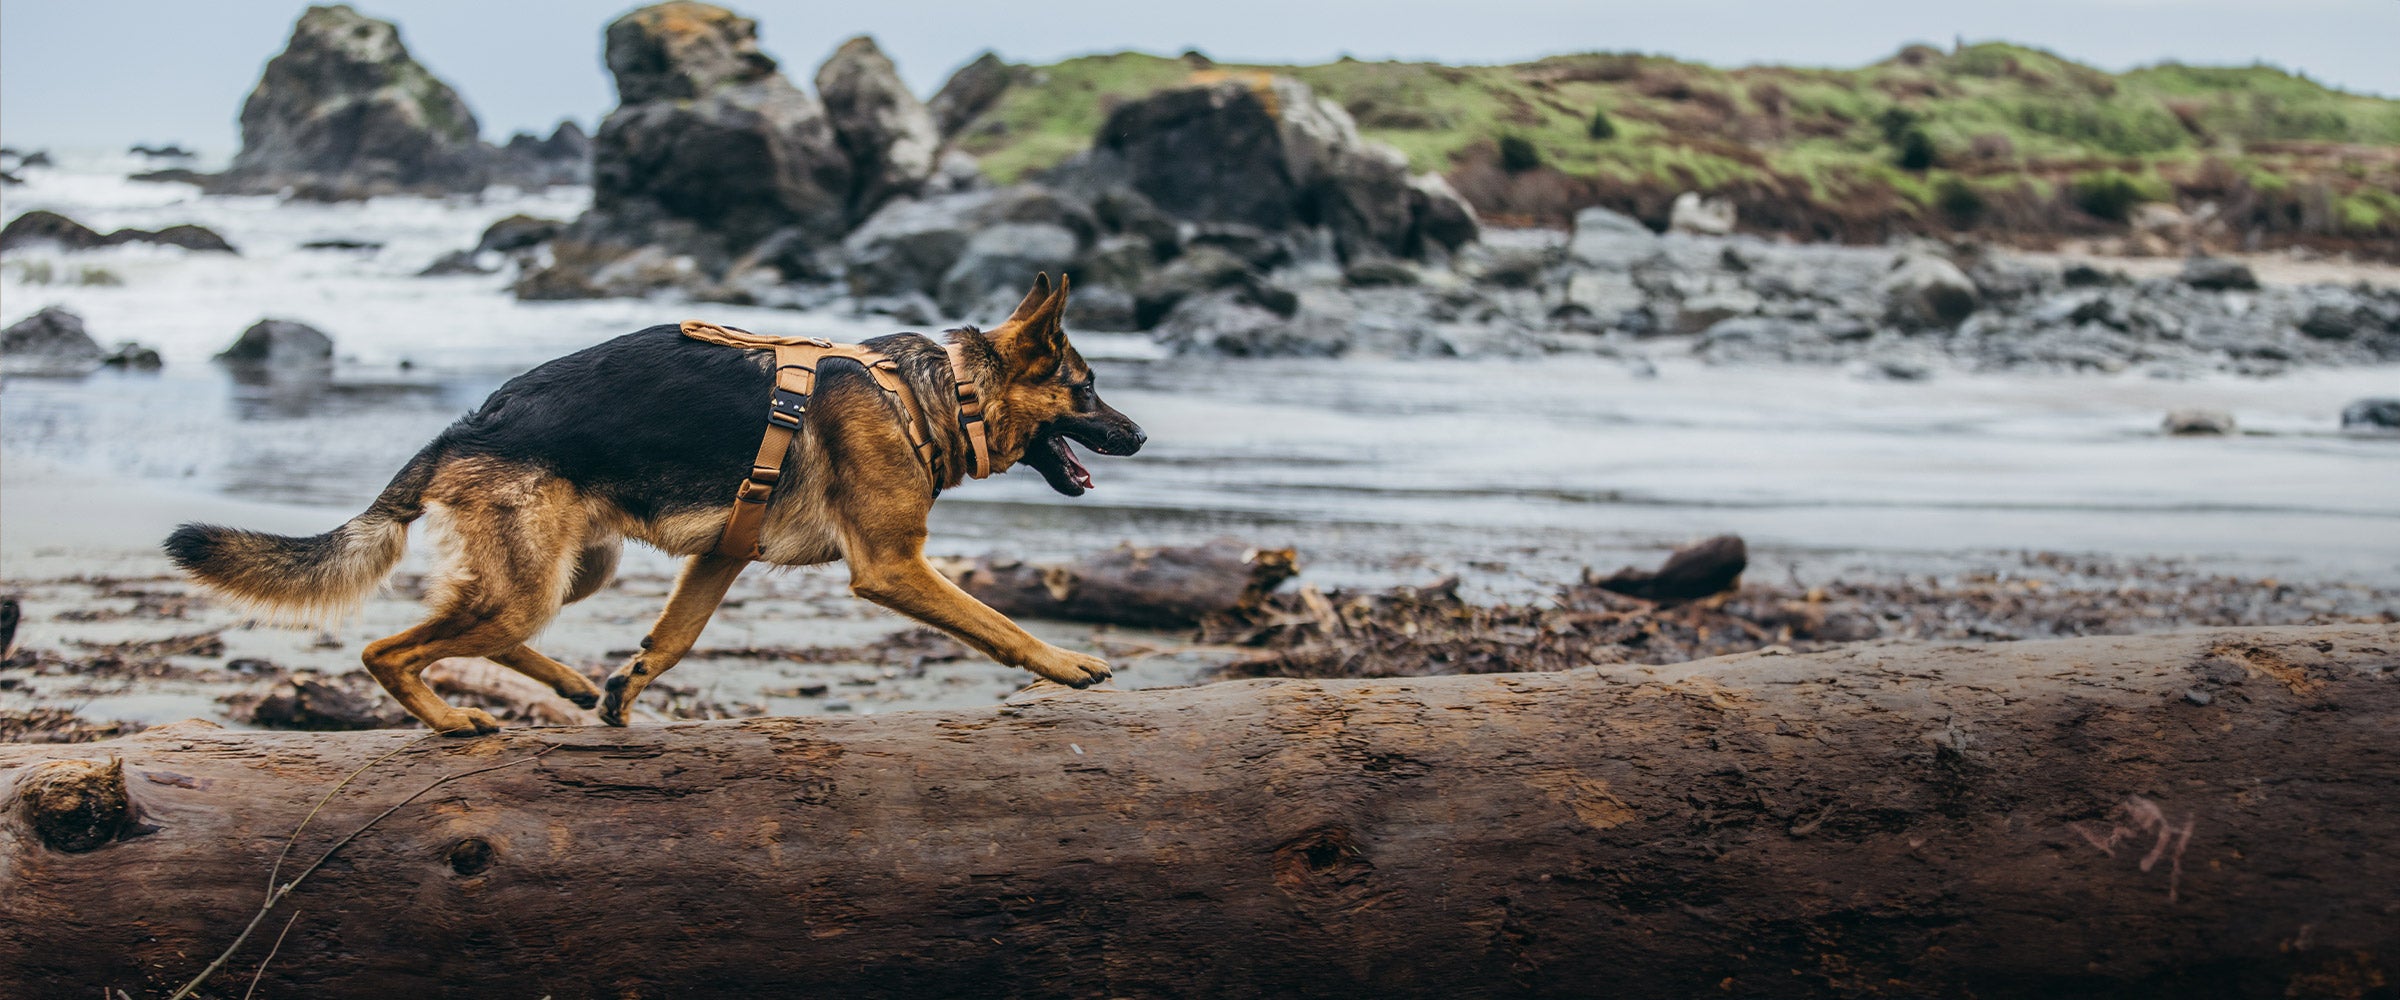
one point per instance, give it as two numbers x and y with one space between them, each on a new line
698 591
593 567
516 535
570 683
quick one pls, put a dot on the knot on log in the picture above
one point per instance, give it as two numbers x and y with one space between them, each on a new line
472 856
1323 860
76 805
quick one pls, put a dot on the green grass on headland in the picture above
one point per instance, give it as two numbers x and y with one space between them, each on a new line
1987 137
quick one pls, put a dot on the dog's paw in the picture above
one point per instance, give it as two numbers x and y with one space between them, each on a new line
468 722
613 704
583 699
1068 667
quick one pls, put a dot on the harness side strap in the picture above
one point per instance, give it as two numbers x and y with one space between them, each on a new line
787 408
970 413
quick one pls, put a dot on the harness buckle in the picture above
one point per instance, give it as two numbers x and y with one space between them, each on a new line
787 407
753 491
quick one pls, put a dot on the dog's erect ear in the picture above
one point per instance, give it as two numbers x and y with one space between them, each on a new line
1033 299
1036 332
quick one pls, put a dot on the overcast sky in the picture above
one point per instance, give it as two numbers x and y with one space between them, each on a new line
105 73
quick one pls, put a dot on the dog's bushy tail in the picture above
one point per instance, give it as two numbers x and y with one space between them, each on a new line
311 577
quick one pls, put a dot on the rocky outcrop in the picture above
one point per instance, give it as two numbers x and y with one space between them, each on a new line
1267 152
45 228
280 343
344 111
890 137
518 232
970 92
710 156
530 161
51 342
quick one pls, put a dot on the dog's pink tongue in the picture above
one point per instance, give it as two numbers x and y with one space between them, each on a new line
1083 477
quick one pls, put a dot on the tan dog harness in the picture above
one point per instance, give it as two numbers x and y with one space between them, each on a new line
796 361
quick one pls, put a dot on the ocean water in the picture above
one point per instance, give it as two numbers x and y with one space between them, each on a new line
1512 473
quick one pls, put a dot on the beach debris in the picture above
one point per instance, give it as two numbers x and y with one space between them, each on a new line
317 702
1701 569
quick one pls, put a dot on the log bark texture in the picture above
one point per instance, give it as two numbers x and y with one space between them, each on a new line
2202 814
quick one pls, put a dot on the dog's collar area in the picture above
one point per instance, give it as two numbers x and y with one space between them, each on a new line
796 363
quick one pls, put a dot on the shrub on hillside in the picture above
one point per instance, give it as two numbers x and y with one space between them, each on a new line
1517 154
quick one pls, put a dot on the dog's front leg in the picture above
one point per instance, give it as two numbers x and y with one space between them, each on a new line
904 582
698 591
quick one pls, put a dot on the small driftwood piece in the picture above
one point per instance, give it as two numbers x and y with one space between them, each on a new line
1702 569
1148 588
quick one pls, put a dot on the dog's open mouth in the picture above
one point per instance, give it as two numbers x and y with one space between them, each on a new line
1056 459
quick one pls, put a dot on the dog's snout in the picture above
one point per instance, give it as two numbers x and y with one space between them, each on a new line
1134 440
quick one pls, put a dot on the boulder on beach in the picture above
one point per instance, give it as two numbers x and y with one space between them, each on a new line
456 262
46 228
889 135
280 343
916 245
345 112
2217 274
133 357
519 232
51 342
2374 414
709 154
40 227
1925 292
2197 423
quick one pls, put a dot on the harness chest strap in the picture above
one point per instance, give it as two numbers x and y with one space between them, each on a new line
796 361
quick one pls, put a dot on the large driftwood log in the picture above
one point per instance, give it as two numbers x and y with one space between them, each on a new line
2204 814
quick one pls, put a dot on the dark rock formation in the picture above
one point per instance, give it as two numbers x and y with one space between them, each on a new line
709 155
51 342
2373 414
530 161
280 343
45 227
170 151
919 245
133 356
1269 153
519 232
40 227
2217 274
888 134
344 112
970 92
455 262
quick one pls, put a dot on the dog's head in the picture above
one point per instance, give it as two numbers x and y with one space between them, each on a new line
1046 397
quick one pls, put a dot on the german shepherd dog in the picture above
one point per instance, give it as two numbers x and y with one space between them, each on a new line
645 437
